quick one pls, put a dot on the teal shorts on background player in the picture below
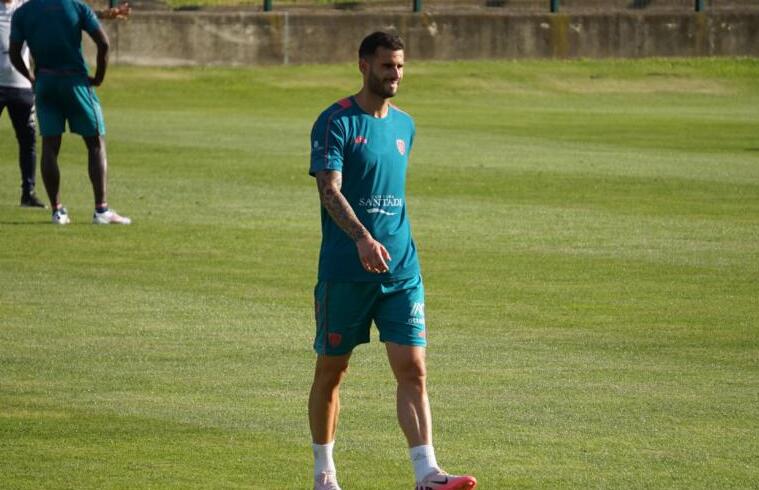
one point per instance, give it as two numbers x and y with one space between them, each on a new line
345 311
67 98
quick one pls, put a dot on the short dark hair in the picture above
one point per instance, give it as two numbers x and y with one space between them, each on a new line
379 39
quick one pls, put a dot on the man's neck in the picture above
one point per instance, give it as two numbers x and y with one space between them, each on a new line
372 104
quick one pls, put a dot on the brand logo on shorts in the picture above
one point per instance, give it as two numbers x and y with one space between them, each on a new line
360 140
334 339
401 145
417 310
417 314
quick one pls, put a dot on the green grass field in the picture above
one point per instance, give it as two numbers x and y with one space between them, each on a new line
589 234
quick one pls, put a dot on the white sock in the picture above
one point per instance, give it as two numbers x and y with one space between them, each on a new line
323 462
423 459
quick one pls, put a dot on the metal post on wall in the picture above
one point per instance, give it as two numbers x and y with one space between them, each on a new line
699 5
267 5
554 6
416 5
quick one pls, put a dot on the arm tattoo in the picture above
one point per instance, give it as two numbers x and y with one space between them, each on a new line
329 184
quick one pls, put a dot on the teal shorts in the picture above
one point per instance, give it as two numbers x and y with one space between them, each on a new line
67 98
345 311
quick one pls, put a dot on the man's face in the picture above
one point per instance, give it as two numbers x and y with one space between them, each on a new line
383 72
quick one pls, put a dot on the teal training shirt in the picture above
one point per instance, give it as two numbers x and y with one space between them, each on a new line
53 31
372 154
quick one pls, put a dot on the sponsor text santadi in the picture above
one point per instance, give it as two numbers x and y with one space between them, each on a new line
380 201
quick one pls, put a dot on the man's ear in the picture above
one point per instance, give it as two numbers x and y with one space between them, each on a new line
363 65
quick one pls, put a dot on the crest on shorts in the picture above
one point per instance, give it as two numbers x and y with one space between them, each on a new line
401 145
334 339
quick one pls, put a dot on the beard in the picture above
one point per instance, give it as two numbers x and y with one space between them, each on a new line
380 87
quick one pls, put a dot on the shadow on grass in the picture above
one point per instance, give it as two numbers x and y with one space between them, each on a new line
15 223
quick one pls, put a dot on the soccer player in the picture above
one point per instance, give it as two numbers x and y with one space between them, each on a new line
16 94
368 267
52 29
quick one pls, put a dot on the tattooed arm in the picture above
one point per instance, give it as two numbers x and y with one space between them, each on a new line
329 183
372 254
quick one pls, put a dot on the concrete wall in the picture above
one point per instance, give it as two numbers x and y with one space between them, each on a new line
252 38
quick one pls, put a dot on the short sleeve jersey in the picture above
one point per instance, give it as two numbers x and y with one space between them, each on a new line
9 77
372 155
53 31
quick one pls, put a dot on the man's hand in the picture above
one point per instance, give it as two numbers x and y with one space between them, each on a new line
121 12
373 255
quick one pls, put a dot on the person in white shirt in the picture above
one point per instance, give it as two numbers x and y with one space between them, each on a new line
17 96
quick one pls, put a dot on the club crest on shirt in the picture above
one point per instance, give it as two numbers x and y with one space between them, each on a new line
401 145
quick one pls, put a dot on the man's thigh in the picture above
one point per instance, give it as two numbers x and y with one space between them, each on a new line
61 99
21 112
84 113
344 313
51 114
399 313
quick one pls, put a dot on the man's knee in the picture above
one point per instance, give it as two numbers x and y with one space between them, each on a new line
408 363
330 372
51 145
27 137
413 372
94 143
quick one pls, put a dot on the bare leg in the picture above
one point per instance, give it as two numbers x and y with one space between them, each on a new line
413 406
324 400
409 367
97 167
51 175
